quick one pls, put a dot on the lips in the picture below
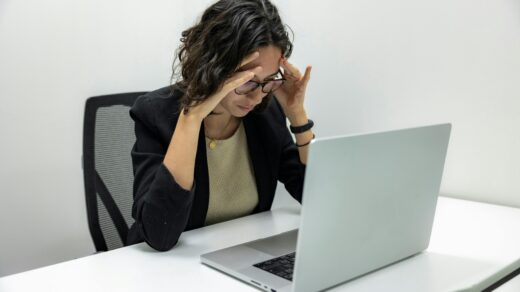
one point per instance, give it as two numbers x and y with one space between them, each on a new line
246 107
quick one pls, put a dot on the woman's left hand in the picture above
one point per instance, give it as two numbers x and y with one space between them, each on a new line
292 93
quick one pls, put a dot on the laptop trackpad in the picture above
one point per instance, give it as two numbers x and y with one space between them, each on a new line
277 245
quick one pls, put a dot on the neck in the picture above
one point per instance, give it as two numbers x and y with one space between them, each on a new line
220 125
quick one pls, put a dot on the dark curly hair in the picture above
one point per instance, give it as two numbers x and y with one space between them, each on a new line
211 51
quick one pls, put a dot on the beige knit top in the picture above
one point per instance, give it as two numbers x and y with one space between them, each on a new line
232 186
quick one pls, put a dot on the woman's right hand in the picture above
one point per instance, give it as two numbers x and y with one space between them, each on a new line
182 151
205 108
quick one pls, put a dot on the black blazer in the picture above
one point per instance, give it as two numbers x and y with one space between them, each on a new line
162 209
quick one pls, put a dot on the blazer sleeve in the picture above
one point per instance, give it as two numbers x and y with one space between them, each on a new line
161 206
291 170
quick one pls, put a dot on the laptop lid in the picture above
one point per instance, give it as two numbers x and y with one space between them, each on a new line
369 200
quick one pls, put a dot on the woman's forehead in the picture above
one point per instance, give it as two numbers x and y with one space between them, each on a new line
269 59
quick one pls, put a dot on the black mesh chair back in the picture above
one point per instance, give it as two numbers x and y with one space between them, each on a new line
108 137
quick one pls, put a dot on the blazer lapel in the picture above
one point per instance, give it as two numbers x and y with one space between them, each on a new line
199 208
260 161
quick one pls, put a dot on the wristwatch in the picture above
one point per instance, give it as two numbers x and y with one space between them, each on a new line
303 128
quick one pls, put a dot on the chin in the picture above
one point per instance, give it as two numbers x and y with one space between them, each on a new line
239 114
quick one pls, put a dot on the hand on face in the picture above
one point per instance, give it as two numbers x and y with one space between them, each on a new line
237 79
292 93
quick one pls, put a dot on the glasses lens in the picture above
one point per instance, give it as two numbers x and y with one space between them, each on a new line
272 86
246 87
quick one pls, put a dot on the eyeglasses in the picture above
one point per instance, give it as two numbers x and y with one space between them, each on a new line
267 86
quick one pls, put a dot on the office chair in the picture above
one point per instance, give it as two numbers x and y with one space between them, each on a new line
108 137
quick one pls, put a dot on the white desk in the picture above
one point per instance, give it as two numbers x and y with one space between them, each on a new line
472 246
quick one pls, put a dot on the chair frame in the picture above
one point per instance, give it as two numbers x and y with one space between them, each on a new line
93 183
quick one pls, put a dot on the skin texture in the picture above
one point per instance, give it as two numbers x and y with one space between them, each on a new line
228 108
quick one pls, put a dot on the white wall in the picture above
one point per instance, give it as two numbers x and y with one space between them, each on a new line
390 64
377 65
53 55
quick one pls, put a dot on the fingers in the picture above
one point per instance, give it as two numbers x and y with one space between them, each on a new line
307 75
249 58
236 80
231 84
290 70
240 78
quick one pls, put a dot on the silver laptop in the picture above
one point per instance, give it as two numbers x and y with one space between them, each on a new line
368 201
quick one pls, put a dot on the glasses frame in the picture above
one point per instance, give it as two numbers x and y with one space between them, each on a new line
262 84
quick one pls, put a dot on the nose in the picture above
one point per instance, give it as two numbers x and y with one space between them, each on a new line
256 95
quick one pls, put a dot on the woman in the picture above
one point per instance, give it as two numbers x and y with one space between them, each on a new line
213 146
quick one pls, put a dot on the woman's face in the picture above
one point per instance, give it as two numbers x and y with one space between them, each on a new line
241 105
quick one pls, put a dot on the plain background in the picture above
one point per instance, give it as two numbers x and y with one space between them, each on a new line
377 65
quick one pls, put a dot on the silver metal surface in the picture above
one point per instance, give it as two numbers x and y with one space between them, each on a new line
369 201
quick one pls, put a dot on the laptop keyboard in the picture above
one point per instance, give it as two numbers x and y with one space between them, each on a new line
280 266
